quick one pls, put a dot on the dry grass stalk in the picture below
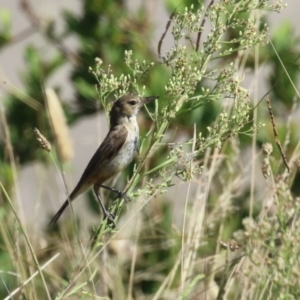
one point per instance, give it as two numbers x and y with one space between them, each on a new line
60 127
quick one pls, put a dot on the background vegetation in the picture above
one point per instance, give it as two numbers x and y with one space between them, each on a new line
235 154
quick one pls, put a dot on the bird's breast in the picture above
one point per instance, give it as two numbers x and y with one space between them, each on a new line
127 152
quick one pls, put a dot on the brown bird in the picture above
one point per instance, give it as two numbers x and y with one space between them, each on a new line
114 154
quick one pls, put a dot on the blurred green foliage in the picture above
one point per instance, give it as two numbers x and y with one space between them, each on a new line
5 27
287 45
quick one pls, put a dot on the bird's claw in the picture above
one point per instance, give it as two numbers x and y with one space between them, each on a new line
124 196
110 218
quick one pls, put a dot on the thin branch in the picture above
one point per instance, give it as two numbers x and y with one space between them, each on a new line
36 23
276 135
164 34
202 26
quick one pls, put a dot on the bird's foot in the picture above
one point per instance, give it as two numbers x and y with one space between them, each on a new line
124 196
110 218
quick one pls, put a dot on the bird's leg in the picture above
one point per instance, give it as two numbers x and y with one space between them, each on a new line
106 213
120 194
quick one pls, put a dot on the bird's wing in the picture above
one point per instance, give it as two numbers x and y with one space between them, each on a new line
107 151
109 148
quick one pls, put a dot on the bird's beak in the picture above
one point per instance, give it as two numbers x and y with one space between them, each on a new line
148 99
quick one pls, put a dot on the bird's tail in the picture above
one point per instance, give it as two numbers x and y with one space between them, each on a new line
59 213
80 188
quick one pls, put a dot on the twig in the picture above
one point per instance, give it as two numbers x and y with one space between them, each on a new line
202 25
36 23
276 135
22 35
164 34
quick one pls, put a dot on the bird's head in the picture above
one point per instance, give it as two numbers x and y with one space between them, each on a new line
128 106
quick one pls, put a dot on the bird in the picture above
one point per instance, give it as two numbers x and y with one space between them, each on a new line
114 153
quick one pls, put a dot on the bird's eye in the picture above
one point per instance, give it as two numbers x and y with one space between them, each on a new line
132 102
